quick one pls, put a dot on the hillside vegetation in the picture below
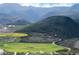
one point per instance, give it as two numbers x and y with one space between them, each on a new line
61 26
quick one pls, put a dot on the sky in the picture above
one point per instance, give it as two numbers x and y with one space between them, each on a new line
31 2
38 1
47 4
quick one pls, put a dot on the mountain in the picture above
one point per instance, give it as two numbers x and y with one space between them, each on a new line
62 26
72 12
20 22
14 11
5 19
28 13
8 19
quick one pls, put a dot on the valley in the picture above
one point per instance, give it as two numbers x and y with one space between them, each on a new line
31 30
31 44
11 42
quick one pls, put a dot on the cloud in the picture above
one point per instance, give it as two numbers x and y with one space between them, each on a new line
47 4
39 1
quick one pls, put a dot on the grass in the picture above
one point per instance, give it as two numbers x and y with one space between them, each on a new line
19 27
30 47
12 35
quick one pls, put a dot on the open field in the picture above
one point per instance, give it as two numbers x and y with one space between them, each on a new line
30 47
33 48
12 35
19 27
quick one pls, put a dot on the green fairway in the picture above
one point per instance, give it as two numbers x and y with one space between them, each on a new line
12 35
30 47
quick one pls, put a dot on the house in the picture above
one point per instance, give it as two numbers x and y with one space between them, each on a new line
7 29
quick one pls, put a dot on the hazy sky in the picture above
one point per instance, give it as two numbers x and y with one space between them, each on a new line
28 2
38 1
